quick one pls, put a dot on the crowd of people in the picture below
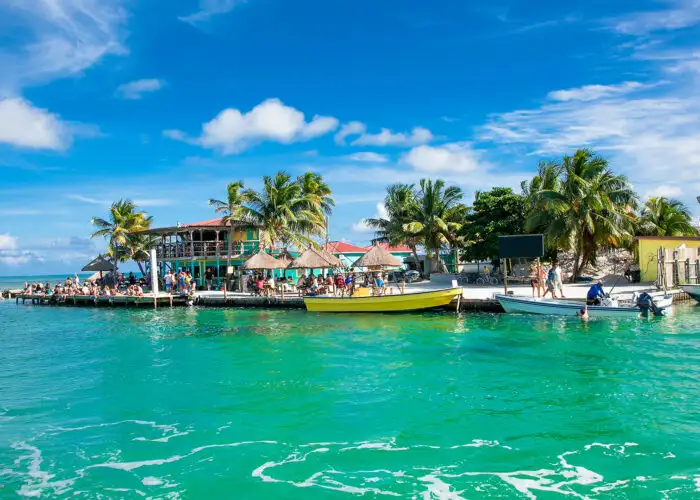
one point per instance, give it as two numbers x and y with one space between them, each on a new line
337 284
72 287
179 282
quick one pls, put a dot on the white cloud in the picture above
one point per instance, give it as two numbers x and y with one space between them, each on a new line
362 227
177 135
665 190
210 8
232 131
20 211
153 202
86 199
593 92
10 252
8 242
57 38
454 158
419 135
23 125
136 89
681 14
368 157
348 129
647 137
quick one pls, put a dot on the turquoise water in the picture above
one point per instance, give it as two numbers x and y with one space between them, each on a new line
193 403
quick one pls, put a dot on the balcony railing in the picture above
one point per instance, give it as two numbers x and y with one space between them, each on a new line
184 250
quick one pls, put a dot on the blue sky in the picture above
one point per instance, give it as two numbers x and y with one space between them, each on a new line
165 102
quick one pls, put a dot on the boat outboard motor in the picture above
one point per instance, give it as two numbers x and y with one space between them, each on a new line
646 303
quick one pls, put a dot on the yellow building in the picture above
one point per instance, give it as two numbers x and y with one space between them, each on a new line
647 251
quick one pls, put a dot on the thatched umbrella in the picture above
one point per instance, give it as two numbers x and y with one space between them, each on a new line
285 257
377 257
262 260
310 259
332 259
99 264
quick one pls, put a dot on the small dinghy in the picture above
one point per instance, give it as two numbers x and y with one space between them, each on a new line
692 290
555 307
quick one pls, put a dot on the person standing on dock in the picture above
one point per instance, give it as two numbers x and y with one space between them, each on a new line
209 278
558 284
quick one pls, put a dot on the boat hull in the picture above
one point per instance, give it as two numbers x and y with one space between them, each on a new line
553 307
692 290
408 302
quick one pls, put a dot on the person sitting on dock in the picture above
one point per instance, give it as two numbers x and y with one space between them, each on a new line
259 285
302 285
595 293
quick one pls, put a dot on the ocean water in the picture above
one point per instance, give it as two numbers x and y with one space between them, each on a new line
195 403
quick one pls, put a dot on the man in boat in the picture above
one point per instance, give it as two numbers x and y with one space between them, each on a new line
595 294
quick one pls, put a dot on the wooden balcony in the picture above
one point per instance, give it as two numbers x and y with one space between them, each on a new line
205 249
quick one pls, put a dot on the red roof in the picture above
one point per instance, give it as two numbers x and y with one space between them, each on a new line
206 223
342 247
396 249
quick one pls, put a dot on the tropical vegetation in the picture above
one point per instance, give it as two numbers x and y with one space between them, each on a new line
120 229
581 205
426 215
661 216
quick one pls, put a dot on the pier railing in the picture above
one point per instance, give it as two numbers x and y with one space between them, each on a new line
202 249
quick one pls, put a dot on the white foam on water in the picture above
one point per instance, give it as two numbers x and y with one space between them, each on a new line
39 480
389 445
611 486
151 481
437 488
130 466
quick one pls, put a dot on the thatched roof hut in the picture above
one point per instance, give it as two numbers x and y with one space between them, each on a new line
262 260
310 259
377 257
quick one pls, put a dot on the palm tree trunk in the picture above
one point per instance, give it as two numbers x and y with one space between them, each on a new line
414 251
140 264
228 256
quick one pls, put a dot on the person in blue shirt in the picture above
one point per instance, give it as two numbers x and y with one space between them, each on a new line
595 293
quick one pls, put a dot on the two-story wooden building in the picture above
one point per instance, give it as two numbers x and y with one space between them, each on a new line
201 245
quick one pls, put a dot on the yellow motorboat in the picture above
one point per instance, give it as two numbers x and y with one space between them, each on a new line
418 301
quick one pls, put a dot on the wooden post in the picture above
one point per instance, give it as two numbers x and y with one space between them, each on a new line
403 286
539 278
459 301
505 276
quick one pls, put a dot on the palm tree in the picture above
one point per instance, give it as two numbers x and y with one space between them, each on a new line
123 220
282 212
426 216
232 211
318 196
587 208
432 220
665 217
399 204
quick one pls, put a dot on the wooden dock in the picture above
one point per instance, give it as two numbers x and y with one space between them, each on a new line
163 300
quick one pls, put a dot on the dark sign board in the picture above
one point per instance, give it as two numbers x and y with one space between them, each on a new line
528 246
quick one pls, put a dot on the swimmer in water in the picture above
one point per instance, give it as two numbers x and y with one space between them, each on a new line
583 314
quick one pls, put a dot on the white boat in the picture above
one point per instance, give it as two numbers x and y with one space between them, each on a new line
692 290
556 307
